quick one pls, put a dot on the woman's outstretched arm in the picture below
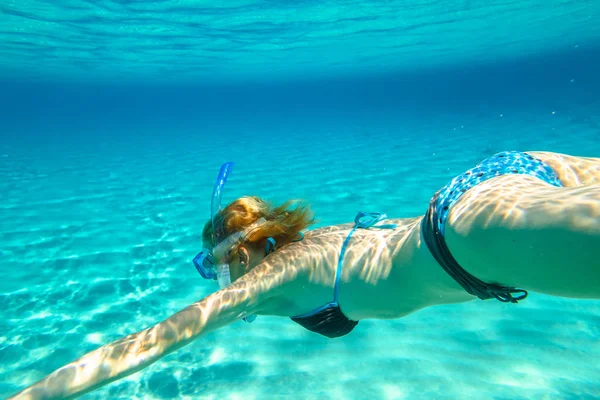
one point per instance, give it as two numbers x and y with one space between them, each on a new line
136 351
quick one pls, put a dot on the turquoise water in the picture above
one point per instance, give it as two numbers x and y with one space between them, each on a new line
179 40
115 118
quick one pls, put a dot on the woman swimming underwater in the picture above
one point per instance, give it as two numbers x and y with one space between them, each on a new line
515 222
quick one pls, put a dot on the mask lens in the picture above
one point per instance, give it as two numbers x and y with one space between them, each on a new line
205 264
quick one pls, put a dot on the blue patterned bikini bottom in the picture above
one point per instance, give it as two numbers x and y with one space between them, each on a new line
432 226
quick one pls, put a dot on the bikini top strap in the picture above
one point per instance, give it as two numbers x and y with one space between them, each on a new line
363 220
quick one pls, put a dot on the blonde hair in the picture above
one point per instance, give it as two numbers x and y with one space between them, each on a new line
283 223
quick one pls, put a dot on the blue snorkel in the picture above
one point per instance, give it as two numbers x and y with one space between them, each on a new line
205 261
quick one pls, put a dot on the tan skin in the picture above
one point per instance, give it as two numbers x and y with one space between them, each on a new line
513 229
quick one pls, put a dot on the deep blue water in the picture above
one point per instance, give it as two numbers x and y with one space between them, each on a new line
565 79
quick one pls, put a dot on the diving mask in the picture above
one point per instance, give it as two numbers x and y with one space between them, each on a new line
214 264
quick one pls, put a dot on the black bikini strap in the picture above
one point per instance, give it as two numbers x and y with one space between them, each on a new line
437 246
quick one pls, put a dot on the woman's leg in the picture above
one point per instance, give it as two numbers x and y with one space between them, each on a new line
519 231
572 171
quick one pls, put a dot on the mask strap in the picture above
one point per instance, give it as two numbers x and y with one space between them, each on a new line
270 246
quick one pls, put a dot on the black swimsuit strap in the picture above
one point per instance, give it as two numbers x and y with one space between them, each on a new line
437 246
